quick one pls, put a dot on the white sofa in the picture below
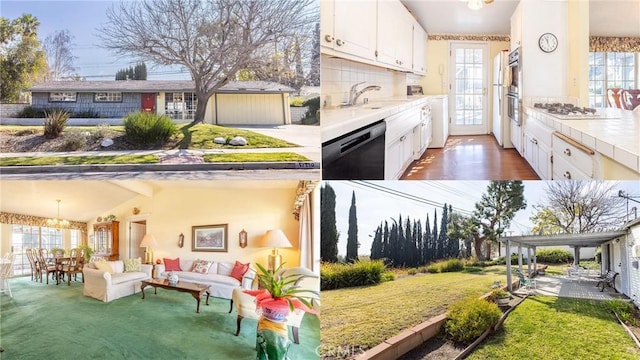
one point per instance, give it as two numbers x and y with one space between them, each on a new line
104 286
219 277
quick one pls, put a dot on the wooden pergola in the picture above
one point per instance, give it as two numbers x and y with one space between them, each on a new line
531 242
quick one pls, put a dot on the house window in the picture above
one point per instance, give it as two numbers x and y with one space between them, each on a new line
180 106
107 97
611 70
75 238
62 97
36 237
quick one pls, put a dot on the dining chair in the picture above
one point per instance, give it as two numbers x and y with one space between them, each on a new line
630 99
6 266
74 266
31 256
614 97
44 266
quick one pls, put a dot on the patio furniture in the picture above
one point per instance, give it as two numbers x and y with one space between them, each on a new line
525 281
609 280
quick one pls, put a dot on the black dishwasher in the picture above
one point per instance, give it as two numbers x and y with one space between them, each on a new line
358 155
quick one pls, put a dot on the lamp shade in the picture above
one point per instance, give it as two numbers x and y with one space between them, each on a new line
275 239
148 241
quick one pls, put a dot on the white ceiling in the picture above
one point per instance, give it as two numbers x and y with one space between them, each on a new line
607 17
86 200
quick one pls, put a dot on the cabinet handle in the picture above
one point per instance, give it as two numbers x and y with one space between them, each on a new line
567 175
403 138
339 42
328 38
534 141
567 152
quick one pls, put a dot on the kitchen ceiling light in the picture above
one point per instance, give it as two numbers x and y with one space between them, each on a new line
477 4
57 222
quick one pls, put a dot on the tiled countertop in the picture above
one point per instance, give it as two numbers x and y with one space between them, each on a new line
616 135
339 121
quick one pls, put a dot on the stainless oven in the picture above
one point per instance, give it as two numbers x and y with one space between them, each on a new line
513 106
358 155
515 75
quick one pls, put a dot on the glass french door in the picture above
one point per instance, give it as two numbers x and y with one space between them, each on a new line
469 75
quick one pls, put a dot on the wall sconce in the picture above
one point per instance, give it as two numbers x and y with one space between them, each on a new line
181 240
242 238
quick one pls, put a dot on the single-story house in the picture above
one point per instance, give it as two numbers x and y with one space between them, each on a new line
236 103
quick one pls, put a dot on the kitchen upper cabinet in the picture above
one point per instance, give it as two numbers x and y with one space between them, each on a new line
516 28
340 33
419 46
395 35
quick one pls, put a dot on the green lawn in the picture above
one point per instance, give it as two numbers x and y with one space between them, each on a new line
545 327
78 160
366 316
254 157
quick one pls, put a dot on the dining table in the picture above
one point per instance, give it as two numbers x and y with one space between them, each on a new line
59 262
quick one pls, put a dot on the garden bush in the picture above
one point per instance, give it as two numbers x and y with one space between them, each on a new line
86 114
469 318
433 268
296 101
74 141
554 256
148 129
313 105
31 112
55 122
412 271
388 276
623 309
100 131
359 273
450 265
423 269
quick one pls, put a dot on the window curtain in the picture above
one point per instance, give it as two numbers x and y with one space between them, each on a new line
31 220
306 234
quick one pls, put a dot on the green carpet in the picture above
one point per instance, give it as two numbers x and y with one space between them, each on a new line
57 322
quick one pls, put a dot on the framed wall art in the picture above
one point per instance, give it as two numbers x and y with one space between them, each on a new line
209 238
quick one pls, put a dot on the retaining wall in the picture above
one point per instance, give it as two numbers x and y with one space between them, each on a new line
11 110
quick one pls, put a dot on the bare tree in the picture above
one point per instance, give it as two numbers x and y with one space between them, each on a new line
213 39
58 47
576 207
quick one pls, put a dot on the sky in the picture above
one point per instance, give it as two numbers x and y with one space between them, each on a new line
374 206
82 19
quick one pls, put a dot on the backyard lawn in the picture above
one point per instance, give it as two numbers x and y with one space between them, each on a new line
544 327
364 317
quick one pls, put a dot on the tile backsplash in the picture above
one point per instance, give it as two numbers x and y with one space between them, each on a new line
338 75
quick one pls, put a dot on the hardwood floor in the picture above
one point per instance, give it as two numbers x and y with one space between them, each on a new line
477 157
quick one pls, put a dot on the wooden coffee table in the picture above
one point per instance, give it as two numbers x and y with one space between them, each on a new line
196 290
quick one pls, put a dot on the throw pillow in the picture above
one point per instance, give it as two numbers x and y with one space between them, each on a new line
201 266
104 266
238 270
132 265
172 264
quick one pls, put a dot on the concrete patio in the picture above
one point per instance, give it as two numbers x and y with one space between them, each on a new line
564 286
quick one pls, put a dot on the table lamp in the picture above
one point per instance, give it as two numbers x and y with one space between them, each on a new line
148 241
275 239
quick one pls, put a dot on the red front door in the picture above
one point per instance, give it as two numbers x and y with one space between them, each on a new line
149 102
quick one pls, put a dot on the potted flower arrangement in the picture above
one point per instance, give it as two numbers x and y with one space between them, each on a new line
501 297
279 296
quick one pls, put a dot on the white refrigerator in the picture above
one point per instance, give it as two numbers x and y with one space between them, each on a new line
501 125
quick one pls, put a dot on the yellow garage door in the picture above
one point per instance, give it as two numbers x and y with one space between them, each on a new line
250 109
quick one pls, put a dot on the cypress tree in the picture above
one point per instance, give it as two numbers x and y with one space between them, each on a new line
427 242
434 237
352 235
328 230
376 245
443 239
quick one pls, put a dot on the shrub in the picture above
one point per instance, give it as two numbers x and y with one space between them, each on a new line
31 112
423 269
359 273
554 256
469 318
313 105
74 141
412 271
472 269
148 129
54 123
296 101
388 276
622 308
433 268
100 131
451 265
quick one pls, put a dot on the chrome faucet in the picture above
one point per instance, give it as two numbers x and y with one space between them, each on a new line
354 94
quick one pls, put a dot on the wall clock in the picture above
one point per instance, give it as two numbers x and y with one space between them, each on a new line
548 42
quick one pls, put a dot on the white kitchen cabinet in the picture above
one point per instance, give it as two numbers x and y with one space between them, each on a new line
440 120
572 161
516 136
394 35
399 140
341 35
419 46
422 137
537 142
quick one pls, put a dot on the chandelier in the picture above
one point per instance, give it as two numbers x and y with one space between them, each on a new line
477 4
57 222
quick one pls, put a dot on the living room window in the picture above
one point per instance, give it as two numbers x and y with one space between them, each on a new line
24 236
107 97
62 96
611 70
